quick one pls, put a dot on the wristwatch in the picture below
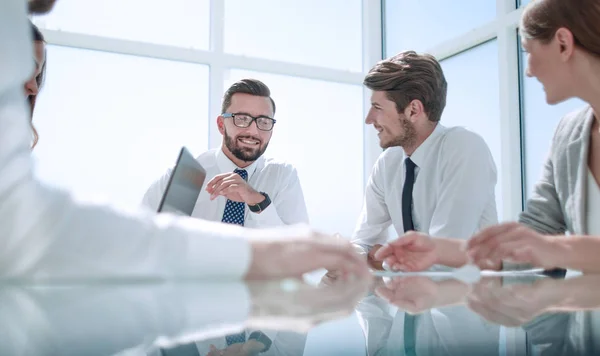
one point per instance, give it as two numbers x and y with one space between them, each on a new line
262 338
262 205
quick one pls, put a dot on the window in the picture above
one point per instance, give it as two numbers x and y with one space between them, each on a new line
421 25
539 122
112 124
182 23
473 99
312 32
320 131
523 2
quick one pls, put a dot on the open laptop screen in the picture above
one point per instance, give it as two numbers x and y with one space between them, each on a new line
184 187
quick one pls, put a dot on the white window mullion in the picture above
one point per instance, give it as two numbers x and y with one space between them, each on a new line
464 42
510 120
372 53
217 70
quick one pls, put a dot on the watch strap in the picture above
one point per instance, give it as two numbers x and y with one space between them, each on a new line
262 205
262 338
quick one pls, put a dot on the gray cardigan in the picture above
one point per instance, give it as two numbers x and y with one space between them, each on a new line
558 203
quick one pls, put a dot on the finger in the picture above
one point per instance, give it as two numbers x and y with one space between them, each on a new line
397 283
224 184
500 245
391 261
490 232
407 239
389 248
506 251
385 251
501 300
223 179
231 189
335 254
525 254
407 266
485 249
345 260
219 177
385 293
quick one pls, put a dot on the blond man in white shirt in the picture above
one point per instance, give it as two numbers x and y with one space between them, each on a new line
46 234
271 193
452 171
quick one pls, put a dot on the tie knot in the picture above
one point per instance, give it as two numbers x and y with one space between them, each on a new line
410 165
243 173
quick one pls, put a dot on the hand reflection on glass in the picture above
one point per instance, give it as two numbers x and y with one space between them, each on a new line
248 348
518 304
417 294
297 306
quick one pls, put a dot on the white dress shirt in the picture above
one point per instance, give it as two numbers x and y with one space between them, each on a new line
453 194
45 233
276 178
593 205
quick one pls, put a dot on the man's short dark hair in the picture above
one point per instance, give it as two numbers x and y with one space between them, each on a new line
409 76
40 6
247 86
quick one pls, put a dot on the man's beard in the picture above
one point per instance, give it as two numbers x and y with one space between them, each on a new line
243 153
408 138
40 6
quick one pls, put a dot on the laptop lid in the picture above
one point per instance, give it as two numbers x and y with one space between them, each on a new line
184 187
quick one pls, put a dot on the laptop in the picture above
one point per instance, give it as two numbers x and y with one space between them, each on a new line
184 187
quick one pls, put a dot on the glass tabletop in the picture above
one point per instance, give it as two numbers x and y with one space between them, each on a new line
410 315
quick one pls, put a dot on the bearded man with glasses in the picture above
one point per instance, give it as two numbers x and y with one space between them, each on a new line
242 186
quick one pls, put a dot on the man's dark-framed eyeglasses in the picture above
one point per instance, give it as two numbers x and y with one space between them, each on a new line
242 120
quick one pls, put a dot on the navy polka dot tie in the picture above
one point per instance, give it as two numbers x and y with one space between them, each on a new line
234 214
235 338
234 211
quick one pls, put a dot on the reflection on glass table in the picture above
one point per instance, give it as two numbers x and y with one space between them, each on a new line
447 316
104 319
443 324
410 316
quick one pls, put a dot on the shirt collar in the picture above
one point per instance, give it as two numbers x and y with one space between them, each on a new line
226 165
418 157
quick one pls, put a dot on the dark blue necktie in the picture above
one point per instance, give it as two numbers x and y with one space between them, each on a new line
235 338
407 220
234 211
234 214
407 195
